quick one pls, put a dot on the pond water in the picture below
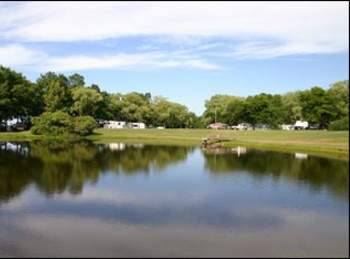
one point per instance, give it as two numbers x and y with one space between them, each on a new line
132 200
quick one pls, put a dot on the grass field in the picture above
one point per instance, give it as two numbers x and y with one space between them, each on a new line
327 143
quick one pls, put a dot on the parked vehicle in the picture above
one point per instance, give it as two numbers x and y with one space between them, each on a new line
218 125
301 125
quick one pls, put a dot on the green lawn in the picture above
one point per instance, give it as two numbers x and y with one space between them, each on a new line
328 143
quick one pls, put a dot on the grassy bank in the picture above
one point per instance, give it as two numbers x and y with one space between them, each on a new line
326 143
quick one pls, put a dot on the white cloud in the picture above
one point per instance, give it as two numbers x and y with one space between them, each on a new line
15 55
264 50
299 27
146 60
19 56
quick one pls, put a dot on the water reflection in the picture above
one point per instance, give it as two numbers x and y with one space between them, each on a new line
139 200
300 155
220 150
55 167
314 172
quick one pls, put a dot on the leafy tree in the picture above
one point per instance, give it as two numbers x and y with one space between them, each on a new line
84 125
342 124
194 121
57 96
114 106
55 92
18 97
76 80
103 110
235 111
165 112
339 92
43 83
95 87
61 123
53 123
292 107
134 107
218 106
148 96
264 109
318 106
45 79
85 101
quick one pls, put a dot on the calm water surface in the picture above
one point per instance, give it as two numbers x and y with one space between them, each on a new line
142 200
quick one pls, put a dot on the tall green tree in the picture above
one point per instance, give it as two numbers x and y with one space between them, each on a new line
134 107
57 96
339 92
76 80
263 109
45 85
218 107
318 106
85 101
292 107
18 96
170 114
96 87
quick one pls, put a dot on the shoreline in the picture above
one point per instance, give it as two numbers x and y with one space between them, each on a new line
332 144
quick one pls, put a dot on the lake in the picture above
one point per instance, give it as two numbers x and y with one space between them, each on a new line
135 200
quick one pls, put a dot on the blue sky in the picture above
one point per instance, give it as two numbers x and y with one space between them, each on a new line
185 51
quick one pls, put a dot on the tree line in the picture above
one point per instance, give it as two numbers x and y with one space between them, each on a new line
324 108
55 98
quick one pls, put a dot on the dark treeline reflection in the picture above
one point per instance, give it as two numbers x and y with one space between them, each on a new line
315 172
55 167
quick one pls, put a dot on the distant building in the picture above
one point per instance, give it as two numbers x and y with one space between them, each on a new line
114 125
301 125
123 125
287 127
101 122
15 124
218 125
242 126
136 125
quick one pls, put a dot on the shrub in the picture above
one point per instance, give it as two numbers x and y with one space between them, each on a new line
342 124
52 123
84 125
61 123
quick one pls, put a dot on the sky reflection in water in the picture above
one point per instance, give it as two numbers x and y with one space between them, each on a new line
142 200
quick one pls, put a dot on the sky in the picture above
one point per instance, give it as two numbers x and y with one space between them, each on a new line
185 51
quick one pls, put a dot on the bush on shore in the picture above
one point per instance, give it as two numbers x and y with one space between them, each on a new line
84 125
342 124
61 123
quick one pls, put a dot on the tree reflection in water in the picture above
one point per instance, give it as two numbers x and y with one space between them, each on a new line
314 172
55 167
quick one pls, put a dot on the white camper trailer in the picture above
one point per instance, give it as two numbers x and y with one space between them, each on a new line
115 124
137 125
287 127
301 125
